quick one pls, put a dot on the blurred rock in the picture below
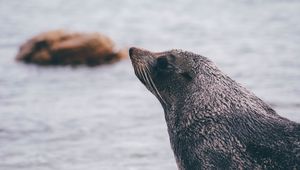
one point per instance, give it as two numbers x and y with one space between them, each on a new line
64 48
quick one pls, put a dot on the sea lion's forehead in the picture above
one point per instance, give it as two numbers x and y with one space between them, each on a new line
173 51
140 56
143 52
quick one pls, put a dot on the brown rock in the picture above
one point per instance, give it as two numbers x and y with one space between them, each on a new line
64 48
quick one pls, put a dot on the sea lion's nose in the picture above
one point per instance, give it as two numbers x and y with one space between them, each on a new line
131 50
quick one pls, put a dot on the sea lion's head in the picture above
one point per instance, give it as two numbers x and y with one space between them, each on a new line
169 75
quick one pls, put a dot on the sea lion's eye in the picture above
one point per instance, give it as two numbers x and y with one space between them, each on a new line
165 62
162 63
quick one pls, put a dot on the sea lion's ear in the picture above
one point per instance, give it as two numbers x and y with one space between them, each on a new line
188 75
185 69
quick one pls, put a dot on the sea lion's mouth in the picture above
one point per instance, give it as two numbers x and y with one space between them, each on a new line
142 61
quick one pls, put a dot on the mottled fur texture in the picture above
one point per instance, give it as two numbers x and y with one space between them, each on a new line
214 122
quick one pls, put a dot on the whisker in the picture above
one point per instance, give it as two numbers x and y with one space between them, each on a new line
144 77
153 85
144 74
137 71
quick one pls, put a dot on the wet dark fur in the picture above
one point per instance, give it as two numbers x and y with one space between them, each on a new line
214 122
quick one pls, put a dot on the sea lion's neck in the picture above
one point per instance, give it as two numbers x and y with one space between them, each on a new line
178 116
198 106
203 105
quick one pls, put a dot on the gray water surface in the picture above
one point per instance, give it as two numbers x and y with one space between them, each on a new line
103 118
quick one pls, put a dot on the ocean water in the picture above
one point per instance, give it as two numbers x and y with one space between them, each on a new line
103 118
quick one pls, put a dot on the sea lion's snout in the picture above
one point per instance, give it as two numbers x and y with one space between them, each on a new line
132 51
140 56
136 53
143 62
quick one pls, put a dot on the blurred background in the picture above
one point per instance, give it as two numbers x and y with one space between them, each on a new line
103 117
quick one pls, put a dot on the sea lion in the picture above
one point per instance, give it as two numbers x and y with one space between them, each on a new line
213 122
